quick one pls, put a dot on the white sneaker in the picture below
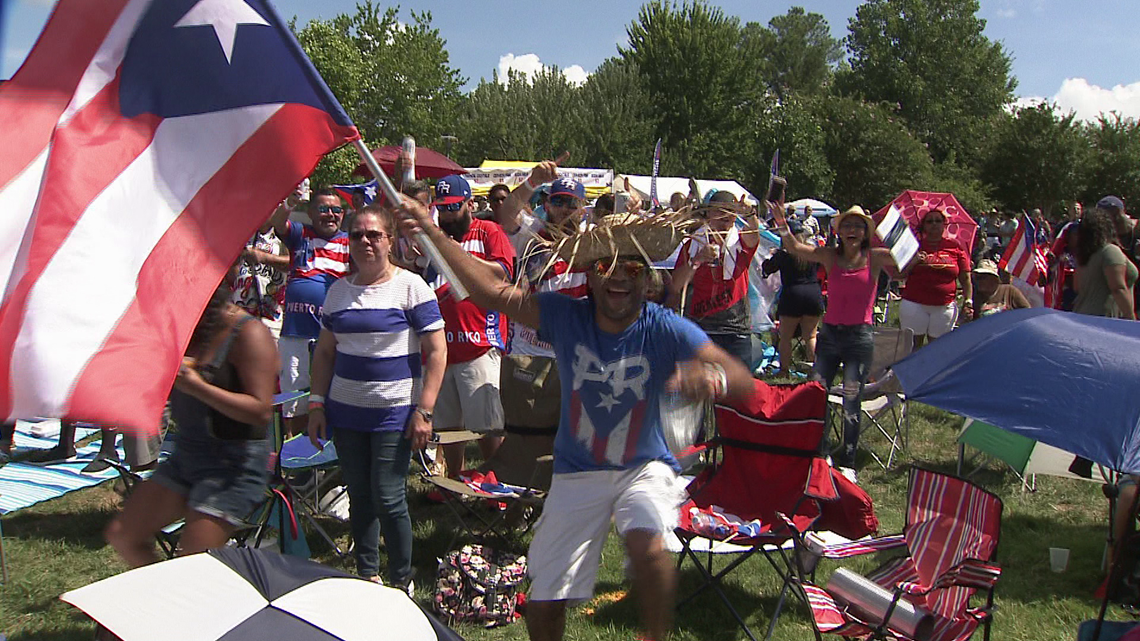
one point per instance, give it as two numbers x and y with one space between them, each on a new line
410 588
849 474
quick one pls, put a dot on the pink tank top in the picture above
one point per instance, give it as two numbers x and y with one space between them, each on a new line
850 296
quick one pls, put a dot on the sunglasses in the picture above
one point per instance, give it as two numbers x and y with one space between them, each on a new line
452 207
564 201
372 235
324 209
632 267
934 221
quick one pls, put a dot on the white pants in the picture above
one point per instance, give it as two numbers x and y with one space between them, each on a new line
294 372
927 320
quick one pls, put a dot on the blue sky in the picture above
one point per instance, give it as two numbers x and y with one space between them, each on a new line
1080 54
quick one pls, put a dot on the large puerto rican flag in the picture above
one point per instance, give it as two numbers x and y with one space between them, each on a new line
1024 258
143 142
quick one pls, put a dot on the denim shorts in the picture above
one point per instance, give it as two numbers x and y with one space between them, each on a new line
223 479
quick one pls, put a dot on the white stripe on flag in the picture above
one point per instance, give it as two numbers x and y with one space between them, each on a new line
320 262
17 202
105 64
91 281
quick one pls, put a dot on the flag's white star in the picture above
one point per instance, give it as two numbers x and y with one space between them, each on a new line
224 16
607 401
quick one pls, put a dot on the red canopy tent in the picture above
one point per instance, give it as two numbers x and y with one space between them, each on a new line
429 163
913 205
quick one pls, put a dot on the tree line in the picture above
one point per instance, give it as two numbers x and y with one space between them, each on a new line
914 97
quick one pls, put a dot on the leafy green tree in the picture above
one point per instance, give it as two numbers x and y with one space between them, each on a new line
793 126
703 77
1038 159
522 118
1114 165
802 53
932 59
618 120
872 153
394 79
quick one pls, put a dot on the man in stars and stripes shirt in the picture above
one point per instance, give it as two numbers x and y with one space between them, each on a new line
319 253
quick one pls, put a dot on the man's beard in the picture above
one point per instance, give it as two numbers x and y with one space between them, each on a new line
457 228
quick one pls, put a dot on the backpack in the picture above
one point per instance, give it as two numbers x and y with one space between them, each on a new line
853 515
476 584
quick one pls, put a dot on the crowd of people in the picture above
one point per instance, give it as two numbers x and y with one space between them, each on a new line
582 347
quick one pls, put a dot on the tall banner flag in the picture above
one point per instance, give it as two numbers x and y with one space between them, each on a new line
897 237
656 172
1024 258
144 143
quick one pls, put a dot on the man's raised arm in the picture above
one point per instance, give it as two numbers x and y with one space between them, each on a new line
483 280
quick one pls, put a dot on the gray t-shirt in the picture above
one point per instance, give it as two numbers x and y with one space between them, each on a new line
1093 296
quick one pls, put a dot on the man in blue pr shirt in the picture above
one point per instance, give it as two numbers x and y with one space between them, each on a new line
618 358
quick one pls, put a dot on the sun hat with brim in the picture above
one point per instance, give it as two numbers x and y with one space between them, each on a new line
986 267
855 210
652 238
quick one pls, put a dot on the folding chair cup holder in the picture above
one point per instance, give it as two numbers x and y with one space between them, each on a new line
883 407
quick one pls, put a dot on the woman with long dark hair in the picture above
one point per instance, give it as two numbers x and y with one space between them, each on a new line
801 298
222 403
1105 276
845 337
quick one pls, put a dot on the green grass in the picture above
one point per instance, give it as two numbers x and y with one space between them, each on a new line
57 546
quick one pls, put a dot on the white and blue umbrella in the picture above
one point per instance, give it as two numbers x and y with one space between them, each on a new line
239 594
818 207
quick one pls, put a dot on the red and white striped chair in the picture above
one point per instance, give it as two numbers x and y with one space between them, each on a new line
951 537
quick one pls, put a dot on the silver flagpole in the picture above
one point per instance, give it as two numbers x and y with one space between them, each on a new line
428 247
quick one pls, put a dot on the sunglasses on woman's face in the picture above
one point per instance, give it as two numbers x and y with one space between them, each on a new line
631 267
934 221
372 235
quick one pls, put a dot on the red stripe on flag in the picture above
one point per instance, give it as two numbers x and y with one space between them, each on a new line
137 364
87 155
33 100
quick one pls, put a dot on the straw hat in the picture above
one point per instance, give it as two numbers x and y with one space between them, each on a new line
855 210
654 238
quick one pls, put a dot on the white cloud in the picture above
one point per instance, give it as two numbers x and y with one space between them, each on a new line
529 65
1007 13
1089 101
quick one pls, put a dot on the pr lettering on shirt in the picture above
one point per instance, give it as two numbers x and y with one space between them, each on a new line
630 373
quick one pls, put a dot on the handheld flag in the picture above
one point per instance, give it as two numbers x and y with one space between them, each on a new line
368 190
897 237
1024 258
653 180
145 141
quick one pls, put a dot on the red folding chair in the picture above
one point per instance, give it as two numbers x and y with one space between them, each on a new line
951 538
769 464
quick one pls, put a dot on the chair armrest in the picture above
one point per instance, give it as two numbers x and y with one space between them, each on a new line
970 573
852 548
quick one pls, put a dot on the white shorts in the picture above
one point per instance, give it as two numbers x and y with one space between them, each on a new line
469 396
568 540
294 372
927 320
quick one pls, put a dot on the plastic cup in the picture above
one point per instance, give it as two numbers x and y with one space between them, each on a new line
1058 559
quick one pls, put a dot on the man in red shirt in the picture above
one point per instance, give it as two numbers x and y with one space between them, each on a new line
469 397
716 263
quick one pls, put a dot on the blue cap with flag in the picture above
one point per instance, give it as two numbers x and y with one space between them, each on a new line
451 189
568 187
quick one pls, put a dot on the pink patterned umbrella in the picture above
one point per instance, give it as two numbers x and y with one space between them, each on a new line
913 205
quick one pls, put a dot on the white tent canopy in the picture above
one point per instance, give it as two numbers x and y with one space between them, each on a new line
668 185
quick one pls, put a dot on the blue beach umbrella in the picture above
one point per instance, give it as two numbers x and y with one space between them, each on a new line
1064 379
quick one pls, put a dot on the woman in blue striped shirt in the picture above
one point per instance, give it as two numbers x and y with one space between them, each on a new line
377 369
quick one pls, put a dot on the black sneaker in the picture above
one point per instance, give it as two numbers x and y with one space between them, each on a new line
56 454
